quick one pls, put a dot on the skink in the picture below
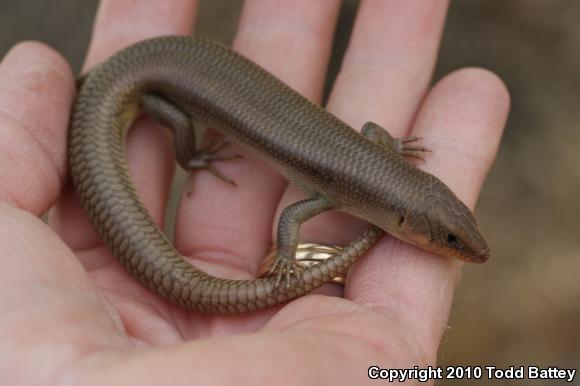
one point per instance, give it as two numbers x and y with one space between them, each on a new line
183 80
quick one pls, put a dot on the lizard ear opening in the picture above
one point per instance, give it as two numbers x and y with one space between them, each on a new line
401 220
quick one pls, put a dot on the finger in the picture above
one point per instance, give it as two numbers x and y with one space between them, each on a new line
36 91
48 308
461 120
150 159
383 78
389 62
291 40
120 23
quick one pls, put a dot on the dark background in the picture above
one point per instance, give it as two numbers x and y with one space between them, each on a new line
522 307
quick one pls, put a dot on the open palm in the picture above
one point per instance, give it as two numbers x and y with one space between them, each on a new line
70 313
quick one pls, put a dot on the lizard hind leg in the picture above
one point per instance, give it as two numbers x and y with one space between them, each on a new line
402 146
188 156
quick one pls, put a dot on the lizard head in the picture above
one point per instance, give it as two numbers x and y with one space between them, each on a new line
442 224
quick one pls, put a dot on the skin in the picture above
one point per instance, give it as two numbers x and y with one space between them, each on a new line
71 313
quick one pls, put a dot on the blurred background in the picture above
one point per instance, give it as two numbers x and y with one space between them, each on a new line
523 306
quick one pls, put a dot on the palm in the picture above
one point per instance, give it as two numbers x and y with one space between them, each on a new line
141 309
88 321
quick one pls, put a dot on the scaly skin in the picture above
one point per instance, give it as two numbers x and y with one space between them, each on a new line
207 82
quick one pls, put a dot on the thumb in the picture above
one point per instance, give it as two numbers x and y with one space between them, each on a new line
50 313
35 101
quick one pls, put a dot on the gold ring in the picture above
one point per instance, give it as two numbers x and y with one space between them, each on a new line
307 255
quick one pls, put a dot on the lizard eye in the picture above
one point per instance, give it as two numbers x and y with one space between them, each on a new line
453 240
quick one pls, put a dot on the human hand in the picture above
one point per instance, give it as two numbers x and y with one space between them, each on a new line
70 313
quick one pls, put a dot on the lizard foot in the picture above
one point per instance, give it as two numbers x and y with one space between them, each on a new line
403 147
285 267
204 158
